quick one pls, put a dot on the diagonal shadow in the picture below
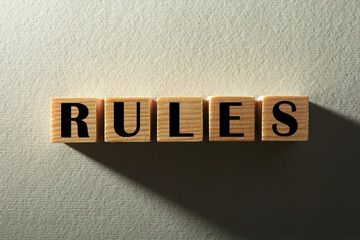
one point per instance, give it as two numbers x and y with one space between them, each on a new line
262 190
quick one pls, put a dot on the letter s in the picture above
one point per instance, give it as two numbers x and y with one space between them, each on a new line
285 118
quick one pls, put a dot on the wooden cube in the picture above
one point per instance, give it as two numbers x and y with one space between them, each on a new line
77 120
128 119
284 118
231 118
180 119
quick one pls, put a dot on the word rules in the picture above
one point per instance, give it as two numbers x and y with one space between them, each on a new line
179 119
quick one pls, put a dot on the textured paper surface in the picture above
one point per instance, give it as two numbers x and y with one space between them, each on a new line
179 48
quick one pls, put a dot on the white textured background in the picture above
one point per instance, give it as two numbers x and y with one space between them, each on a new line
175 48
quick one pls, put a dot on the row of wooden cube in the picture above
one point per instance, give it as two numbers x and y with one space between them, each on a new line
231 118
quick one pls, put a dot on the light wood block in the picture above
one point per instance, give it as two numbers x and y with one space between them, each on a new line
231 118
133 123
284 118
189 123
87 111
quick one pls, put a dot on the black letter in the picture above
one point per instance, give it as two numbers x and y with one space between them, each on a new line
285 118
66 119
225 119
175 121
119 119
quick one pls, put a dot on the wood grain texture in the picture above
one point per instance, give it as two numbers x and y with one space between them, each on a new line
191 118
94 120
266 104
130 119
245 125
